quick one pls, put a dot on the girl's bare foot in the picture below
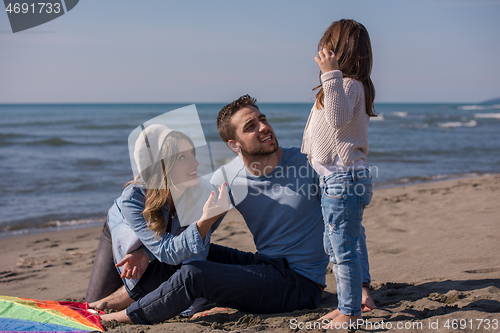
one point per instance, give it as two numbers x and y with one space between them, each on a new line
330 315
342 321
367 303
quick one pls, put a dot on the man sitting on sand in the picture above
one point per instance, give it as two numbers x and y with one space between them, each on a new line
282 210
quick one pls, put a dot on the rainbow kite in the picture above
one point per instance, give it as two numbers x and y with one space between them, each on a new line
31 315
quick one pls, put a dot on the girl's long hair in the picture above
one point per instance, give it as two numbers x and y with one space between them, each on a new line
158 192
350 42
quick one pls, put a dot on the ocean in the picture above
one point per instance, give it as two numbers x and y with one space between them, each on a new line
64 164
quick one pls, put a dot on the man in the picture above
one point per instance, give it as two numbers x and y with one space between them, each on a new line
281 207
246 131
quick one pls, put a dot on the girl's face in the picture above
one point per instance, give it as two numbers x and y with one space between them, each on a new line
183 173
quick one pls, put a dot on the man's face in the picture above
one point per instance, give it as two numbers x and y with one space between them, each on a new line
254 135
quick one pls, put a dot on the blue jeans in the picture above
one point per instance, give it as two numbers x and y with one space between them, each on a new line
230 278
344 198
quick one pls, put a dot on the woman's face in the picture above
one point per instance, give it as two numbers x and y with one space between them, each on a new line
183 173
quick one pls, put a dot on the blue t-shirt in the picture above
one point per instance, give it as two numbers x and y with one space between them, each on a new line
282 210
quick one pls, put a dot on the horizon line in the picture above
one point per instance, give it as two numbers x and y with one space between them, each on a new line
224 103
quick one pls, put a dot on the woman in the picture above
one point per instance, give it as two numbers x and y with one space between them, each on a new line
160 216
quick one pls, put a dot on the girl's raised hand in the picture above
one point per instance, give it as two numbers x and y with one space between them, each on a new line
327 61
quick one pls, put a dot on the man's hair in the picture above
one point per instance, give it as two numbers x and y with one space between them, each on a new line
226 131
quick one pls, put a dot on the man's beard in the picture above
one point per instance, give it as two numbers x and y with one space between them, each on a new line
258 151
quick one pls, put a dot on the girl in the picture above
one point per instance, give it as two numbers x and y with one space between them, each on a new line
336 142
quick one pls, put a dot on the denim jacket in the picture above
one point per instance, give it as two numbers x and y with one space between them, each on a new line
129 230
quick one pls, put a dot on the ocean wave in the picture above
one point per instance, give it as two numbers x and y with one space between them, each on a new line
45 123
452 124
405 180
58 223
11 135
422 155
380 117
53 142
90 162
414 125
400 114
488 115
58 142
100 127
479 107
5 138
432 178
278 119
400 160
28 228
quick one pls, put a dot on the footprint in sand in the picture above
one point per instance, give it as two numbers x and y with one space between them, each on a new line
41 240
487 305
83 236
396 230
9 276
450 297
483 271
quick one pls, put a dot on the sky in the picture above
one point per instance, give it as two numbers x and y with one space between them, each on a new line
161 51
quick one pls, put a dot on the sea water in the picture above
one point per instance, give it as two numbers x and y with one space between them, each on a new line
64 164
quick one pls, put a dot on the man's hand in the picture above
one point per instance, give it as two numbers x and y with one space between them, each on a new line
327 61
134 264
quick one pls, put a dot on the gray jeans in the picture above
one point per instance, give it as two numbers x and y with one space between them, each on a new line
104 279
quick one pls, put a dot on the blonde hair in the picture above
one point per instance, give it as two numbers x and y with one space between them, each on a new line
158 193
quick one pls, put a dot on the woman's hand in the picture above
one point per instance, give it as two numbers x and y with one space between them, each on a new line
327 61
213 210
134 264
216 209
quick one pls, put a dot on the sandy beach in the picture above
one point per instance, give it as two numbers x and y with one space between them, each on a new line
434 257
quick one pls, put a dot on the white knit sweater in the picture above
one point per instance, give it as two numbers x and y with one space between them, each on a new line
340 128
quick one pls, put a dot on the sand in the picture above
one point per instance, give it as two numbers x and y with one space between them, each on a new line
433 248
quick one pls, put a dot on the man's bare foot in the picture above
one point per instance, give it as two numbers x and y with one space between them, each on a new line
118 300
209 312
367 303
342 321
330 315
120 317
